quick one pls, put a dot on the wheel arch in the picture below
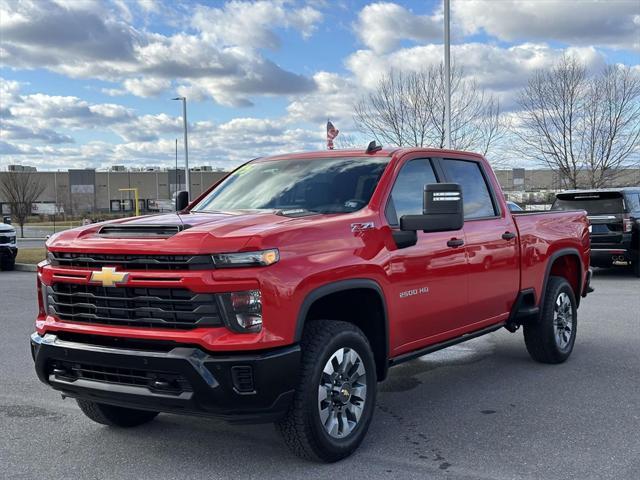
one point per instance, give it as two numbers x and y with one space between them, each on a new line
328 300
566 263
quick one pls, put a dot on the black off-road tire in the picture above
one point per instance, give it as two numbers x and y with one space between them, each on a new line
540 337
8 264
115 416
636 264
302 428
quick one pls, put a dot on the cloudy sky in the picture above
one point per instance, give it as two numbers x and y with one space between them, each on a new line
88 83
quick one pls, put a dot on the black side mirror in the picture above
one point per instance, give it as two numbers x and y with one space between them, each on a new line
182 200
442 210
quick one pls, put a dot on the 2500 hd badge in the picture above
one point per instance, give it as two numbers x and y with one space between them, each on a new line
415 291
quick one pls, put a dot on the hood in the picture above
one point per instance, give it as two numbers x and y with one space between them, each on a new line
4 228
189 233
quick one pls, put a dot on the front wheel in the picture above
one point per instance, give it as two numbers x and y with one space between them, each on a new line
334 401
551 338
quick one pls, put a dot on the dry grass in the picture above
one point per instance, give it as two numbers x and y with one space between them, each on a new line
30 255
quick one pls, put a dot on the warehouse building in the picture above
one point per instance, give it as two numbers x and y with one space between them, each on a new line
87 191
79 192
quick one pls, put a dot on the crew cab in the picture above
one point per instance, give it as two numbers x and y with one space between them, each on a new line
286 292
8 247
614 214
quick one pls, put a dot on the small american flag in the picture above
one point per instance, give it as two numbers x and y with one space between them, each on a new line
332 132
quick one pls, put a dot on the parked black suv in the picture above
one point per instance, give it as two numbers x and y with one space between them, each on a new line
8 247
615 223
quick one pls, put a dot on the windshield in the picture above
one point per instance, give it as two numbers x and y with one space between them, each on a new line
323 185
603 203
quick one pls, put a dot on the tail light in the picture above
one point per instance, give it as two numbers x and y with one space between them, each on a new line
627 225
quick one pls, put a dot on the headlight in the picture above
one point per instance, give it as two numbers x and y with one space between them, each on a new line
261 258
243 310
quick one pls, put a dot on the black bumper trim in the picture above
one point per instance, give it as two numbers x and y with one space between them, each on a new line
209 375
8 251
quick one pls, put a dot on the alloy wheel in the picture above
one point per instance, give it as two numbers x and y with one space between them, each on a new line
342 392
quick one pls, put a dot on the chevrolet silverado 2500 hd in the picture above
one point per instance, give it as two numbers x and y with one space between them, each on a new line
285 292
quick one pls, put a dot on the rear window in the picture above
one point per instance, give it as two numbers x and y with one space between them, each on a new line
602 203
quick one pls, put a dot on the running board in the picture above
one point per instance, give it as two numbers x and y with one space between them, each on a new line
405 357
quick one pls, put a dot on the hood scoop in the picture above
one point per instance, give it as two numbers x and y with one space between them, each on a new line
141 231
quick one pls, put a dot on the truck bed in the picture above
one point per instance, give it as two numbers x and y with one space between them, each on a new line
542 235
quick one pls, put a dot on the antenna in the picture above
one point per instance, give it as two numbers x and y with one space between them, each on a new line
373 148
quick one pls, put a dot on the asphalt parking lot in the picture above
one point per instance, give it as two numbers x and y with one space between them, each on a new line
480 410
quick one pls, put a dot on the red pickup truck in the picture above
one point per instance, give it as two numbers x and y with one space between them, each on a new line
285 292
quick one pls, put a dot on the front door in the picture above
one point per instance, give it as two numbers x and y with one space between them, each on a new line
428 280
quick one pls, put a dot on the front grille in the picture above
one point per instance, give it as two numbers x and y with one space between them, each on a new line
6 239
131 261
133 306
161 382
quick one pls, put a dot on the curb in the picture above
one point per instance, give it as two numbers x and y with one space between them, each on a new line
26 267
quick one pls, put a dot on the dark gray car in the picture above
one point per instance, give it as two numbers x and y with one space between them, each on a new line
615 223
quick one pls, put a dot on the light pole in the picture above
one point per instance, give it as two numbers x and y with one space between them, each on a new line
447 77
186 148
177 179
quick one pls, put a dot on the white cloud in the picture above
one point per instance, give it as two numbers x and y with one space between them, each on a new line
147 87
381 26
333 98
223 59
497 69
251 24
578 22
37 131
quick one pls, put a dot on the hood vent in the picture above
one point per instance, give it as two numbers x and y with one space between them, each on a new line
141 231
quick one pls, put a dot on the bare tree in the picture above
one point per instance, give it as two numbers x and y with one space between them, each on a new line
21 190
408 110
585 127
346 140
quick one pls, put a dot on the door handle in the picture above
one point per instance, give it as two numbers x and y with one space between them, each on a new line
455 243
508 236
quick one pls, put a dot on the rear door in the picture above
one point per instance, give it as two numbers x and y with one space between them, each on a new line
491 244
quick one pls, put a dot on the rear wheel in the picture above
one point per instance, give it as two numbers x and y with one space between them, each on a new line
551 339
335 397
115 416
636 264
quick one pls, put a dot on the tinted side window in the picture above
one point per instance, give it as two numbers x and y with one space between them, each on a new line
475 193
408 191
633 202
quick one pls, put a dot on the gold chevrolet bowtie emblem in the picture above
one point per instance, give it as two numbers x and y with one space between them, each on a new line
109 277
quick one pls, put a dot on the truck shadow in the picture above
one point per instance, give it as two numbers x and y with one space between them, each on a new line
411 422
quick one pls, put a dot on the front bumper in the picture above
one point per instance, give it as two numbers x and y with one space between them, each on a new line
8 251
242 388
